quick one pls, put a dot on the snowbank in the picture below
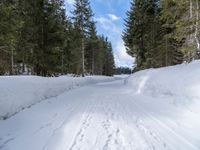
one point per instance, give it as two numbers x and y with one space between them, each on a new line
20 92
170 96
181 81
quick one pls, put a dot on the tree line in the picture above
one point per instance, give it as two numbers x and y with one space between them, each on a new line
36 37
122 70
162 33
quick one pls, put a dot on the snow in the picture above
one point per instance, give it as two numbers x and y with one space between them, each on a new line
180 81
155 109
20 92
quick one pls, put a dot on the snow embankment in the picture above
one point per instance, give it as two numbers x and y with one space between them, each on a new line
20 92
170 97
176 81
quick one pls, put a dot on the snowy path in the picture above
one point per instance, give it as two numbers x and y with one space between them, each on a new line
104 116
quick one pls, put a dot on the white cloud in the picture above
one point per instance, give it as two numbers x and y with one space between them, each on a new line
69 6
108 25
113 31
121 57
70 2
113 17
111 28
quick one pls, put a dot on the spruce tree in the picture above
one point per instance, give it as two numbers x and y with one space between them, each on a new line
109 64
37 38
91 49
139 27
82 18
170 51
10 24
44 22
152 35
156 31
69 44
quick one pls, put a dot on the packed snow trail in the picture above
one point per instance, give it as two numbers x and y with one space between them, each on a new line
105 116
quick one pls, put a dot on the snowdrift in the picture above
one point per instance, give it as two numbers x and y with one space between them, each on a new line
170 96
176 81
20 92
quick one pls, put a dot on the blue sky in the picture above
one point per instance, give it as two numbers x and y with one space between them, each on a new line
109 15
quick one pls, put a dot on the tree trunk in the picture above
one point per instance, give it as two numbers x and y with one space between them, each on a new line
191 8
23 63
93 63
83 57
191 16
62 69
166 52
197 25
12 62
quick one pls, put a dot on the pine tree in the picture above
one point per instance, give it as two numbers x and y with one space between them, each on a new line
69 44
9 27
187 28
157 31
82 18
36 37
140 26
170 51
109 64
54 36
43 35
91 49
99 56
152 25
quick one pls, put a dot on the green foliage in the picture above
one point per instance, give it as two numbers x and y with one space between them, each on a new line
36 37
10 24
141 32
123 70
160 32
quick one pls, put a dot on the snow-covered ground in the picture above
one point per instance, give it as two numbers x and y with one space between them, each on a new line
20 92
156 109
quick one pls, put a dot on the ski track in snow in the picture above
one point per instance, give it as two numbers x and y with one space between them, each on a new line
163 127
79 137
97 117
